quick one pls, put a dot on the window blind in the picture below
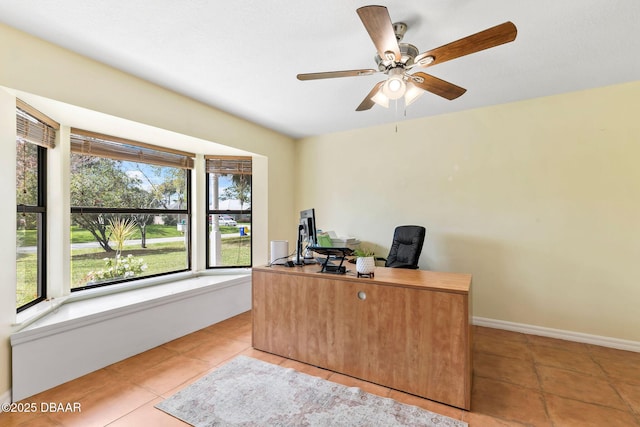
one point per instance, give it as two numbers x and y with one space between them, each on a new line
35 127
228 165
112 147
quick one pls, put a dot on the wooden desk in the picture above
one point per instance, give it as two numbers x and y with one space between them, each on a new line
409 330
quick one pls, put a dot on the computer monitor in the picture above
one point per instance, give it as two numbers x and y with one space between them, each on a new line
307 236
308 222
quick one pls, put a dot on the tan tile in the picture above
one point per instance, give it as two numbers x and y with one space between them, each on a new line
217 350
557 343
306 369
606 353
187 342
572 413
579 361
501 397
429 405
44 421
631 394
482 420
617 364
242 333
508 402
74 390
619 369
240 319
170 373
516 371
139 363
106 404
363 385
219 328
496 344
26 419
580 387
501 334
230 326
148 415
246 315
263 355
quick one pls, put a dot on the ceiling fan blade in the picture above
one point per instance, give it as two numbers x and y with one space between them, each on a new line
368 102
378 24
438 86
333 74
491 37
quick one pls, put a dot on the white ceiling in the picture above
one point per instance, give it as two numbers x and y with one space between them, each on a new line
243 56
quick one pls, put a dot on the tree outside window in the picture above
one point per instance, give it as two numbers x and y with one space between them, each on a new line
35 134
150 197
229 211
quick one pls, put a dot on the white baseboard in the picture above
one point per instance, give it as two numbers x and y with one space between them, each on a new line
5 397
559 333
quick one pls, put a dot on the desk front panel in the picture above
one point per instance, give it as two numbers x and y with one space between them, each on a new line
408 338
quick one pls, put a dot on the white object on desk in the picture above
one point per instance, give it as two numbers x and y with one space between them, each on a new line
279 251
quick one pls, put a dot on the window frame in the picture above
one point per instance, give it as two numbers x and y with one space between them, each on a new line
187 212
209 212
40 209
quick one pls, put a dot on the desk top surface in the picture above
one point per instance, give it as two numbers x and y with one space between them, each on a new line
419 279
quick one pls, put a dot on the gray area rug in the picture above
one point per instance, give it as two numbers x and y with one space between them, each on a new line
250 392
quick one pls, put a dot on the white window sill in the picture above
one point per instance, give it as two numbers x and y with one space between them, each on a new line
109 299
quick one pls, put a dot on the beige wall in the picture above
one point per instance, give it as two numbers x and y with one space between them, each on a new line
539 200
40 68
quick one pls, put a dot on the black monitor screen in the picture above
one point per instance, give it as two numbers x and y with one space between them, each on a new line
308 222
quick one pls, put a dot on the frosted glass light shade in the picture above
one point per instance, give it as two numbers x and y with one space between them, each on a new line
394 87
381 99
412 93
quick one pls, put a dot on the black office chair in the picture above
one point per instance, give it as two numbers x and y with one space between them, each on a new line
406 247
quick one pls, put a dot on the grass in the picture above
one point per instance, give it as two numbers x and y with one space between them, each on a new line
80 235
159 257
27 271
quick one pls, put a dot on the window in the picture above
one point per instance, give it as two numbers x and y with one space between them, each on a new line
130 210
35 133
229 211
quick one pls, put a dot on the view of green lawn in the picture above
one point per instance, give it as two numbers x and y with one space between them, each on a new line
159 257
79 235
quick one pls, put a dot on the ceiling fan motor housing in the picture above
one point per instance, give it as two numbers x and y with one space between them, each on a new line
407 54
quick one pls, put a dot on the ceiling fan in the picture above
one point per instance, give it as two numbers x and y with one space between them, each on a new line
396 59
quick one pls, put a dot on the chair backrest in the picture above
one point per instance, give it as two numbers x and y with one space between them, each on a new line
406 247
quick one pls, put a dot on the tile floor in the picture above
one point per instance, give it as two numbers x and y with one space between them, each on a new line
519 380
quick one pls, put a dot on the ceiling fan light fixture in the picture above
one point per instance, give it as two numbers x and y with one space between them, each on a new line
412 93
381 99
395 87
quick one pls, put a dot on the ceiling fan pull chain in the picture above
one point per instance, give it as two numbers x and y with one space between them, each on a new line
396 106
